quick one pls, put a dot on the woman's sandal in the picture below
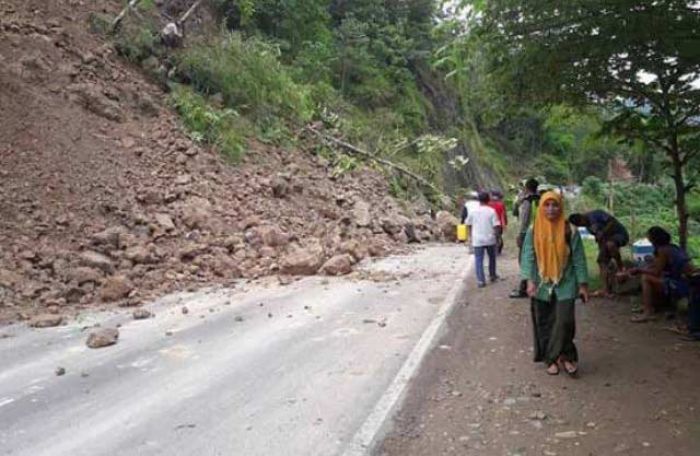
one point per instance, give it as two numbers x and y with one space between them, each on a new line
570 368
553 369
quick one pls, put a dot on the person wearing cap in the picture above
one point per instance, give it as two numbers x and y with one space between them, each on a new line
527 209
497 204
470 205
484 229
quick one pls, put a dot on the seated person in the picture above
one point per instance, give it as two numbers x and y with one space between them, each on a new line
693 333
666 277
610 235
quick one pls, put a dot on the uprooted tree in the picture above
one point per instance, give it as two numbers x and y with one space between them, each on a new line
640 59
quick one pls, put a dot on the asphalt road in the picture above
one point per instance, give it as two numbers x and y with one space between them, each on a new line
259 369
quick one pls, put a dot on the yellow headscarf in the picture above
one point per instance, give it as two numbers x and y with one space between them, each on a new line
551 248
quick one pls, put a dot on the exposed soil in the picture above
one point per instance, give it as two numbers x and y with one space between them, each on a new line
104 200
479 393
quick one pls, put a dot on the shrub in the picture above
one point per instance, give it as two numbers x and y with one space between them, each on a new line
223 128
249 76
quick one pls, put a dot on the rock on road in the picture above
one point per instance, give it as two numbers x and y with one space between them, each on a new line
253 370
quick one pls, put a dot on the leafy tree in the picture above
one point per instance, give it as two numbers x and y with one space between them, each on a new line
639 58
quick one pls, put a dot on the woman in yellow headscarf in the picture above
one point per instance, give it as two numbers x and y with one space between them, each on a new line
554 264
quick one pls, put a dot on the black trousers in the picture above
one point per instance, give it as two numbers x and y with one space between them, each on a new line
554 328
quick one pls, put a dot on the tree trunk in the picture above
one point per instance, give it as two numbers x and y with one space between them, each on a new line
681 205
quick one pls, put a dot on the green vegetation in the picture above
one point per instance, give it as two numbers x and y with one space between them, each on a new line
223 128
467 94
639 206
638 59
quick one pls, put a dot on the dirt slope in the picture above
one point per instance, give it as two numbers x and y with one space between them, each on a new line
104 199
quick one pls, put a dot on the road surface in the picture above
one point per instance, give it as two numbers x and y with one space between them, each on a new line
259 369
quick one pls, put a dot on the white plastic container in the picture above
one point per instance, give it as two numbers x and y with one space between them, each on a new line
585 234
642 250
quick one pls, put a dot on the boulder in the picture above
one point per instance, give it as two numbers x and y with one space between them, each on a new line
46 321
447 225
196 213
302 260
268 235
361 214
92 98
96 260
9 279
141 314
410 230
103 337
115 288
140 255
280 187
109 238
83 274
164 221
338 265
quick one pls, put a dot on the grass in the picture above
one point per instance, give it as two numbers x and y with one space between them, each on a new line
249 76
222 128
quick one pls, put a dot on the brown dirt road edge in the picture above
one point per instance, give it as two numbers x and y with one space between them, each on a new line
479 393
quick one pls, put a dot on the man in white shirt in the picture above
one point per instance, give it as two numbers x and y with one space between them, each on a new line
471 204
484 229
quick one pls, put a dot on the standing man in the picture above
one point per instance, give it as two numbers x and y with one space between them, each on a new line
610 235
470 205
484 229
500 208
527 207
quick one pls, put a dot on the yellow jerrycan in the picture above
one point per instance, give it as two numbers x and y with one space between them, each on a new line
462 233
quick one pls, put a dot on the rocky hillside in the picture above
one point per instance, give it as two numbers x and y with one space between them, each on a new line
105 200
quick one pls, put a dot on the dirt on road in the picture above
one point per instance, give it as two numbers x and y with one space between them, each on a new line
479 393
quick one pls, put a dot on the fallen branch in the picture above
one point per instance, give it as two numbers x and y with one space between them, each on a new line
364 153
117 20
189 11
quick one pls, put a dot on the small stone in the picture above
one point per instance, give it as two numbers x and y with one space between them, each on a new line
60 371
46 321
185 310
84 374
538 415
142 314
97 260
646 444
456 393
590 425
168 333
566 435
165 221
238 318
103 337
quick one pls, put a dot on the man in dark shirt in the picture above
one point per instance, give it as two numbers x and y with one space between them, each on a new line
610 235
